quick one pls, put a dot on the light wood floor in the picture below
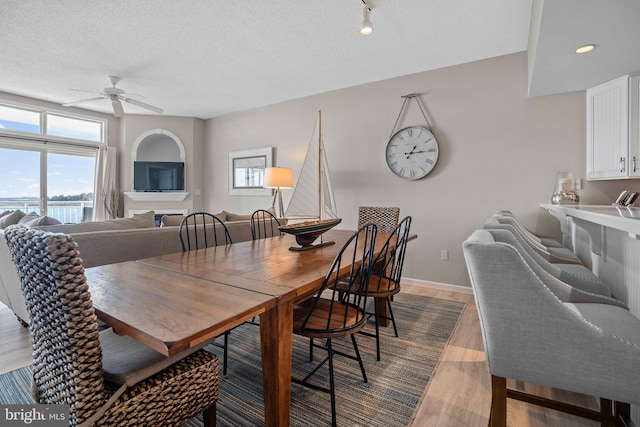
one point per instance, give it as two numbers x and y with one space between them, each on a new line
459 393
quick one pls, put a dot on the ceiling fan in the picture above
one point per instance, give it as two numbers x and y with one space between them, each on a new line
116 96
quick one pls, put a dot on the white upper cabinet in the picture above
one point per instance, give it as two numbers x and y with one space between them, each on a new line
613 140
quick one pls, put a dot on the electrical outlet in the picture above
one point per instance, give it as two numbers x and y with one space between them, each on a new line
444 255
578 183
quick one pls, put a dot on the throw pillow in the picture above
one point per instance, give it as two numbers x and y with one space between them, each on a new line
11 218
37 220
171 220
4 213
222 215
236 217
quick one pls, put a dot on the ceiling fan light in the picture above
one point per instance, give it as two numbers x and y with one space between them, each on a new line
366 28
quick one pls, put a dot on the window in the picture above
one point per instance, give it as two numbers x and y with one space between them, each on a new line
48 162
68 127
18 119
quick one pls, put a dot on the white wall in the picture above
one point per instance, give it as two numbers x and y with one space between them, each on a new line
498 150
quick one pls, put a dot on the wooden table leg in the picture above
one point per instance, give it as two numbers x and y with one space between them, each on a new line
276 340
383 312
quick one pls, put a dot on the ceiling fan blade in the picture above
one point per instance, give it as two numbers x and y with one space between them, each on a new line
117 107
143 105
87 91
82 101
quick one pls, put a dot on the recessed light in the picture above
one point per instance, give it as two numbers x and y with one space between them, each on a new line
586 48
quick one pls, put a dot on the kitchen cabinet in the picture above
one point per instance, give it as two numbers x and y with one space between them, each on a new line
613 140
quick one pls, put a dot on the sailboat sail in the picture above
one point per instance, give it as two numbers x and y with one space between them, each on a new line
313 194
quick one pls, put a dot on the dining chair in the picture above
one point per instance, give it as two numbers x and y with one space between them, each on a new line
326 315
385 218
106 379
384 282
531 335
264 224
202 230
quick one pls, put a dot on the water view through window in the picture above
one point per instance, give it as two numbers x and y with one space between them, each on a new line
69 184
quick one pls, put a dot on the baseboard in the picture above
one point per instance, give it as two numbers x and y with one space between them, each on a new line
437 285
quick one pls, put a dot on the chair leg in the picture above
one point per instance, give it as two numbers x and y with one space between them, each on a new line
209 416
375 315
498 415
332 390
355 347
311 349
393 319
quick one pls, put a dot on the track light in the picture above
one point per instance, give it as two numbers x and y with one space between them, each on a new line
366 28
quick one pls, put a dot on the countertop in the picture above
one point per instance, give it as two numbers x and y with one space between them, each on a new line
618 217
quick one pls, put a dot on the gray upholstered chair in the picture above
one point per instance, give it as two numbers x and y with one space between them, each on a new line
575 275
106 379
385 218
545 241
555 255
531 335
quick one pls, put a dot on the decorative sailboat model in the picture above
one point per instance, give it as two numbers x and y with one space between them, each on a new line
312 198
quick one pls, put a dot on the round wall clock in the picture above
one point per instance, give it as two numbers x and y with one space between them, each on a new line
412 152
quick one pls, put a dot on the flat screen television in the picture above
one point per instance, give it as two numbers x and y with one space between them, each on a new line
158 176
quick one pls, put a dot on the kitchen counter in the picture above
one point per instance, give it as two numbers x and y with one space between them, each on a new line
621 218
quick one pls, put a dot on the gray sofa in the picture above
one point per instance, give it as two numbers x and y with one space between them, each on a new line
108 242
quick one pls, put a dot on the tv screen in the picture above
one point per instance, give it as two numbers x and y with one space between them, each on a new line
158 176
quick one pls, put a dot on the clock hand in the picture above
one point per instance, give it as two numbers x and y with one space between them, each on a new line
411 152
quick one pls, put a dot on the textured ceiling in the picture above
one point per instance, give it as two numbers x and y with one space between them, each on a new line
207 58
560 26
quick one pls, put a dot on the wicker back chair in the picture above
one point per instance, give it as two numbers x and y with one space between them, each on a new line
264 224
328 315
201 230
384 218
71 358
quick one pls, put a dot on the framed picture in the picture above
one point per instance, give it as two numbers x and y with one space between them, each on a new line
246 172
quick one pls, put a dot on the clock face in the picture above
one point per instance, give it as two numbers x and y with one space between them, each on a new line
412 152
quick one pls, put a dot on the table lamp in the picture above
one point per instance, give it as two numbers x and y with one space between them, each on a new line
278 178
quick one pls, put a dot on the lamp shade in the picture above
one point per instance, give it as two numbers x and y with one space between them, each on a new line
278 178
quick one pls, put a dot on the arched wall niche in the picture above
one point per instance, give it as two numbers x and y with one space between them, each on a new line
158 145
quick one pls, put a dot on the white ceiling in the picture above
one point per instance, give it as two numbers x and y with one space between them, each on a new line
614 26
204 58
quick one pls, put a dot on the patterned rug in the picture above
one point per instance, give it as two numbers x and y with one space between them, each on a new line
395 386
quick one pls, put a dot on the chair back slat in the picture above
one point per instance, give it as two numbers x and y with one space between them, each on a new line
338 315
388 264
201 230
67 366
264 224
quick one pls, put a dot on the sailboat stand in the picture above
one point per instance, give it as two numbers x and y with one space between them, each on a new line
312 198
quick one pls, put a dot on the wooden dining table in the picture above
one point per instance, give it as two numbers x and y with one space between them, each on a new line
179 301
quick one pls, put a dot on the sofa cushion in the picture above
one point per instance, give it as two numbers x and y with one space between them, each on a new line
32 219
11 218
145 220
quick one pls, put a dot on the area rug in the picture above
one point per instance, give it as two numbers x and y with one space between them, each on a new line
389 398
